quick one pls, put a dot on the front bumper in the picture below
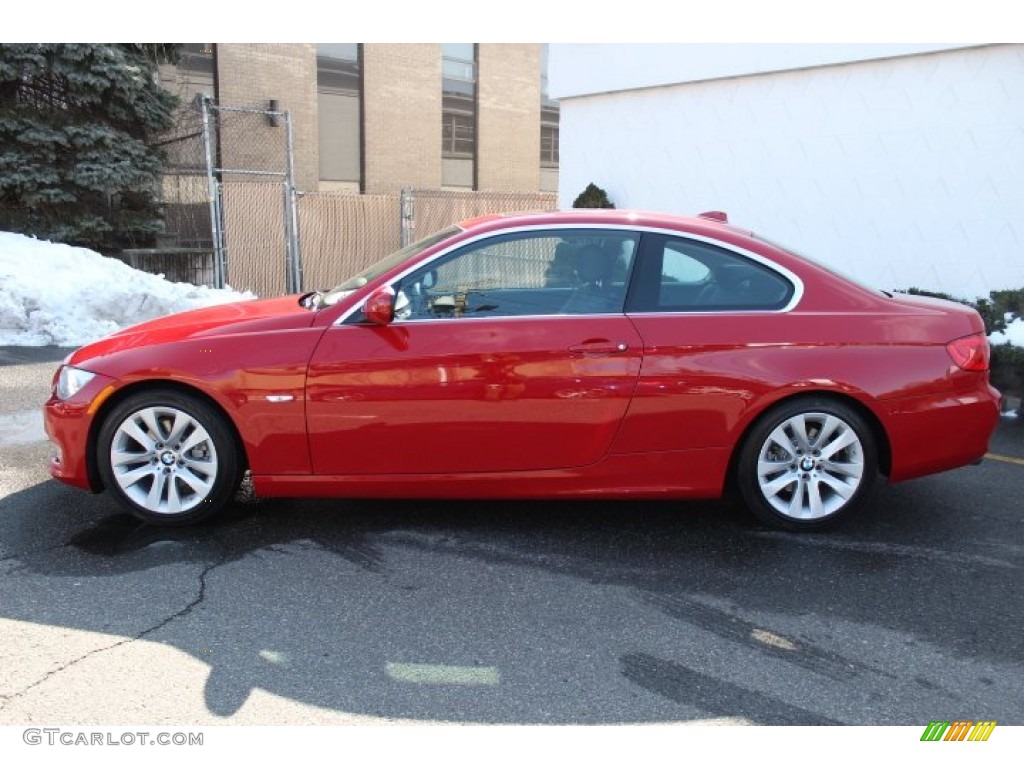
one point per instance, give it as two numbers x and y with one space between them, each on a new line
68 424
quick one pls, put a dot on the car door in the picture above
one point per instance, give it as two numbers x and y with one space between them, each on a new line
707 315
510 353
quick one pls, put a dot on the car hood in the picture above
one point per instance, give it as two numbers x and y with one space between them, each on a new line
241 317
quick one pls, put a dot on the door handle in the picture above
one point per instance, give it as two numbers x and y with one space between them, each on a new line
599 347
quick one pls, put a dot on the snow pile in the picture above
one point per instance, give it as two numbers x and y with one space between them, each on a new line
1014 334
65 296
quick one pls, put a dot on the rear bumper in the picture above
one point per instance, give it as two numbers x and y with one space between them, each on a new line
940 432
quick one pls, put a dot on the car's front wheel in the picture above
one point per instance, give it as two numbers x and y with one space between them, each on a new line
168 457
807 463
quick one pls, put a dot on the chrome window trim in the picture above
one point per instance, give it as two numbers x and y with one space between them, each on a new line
503 318
797 283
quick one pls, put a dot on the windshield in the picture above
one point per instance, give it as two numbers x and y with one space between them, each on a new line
339 292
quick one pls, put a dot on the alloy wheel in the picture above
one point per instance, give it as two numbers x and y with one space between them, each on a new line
810 466
163 459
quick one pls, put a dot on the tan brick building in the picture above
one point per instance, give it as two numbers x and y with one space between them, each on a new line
379 117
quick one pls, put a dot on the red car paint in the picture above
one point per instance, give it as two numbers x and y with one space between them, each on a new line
631 404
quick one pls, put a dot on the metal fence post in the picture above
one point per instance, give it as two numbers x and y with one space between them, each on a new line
293 256
407 214
217 230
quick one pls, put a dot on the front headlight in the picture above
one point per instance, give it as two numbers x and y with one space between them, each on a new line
71 380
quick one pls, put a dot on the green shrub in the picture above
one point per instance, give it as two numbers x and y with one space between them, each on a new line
1007 369
593 197
1000 308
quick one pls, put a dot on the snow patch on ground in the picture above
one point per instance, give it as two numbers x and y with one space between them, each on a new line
54 294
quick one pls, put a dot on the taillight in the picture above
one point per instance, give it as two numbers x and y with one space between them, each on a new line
970 352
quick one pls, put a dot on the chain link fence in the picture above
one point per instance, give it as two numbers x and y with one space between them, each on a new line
229 201
343 232
254 237
184 251
426 211
253 198
233 215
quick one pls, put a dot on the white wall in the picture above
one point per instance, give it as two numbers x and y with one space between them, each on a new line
578 69
904 171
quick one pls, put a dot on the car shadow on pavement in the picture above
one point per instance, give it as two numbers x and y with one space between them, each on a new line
537 612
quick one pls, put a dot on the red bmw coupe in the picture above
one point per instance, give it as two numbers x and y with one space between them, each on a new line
601 354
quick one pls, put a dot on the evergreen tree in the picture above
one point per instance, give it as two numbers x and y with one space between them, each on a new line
593 197
78 124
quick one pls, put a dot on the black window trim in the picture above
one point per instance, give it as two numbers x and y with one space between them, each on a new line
643 296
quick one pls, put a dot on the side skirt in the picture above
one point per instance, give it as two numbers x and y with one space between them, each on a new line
671 474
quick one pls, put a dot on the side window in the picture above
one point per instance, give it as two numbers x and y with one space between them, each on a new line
691 276
542 273
681 274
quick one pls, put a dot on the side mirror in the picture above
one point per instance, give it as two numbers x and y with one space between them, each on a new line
379 307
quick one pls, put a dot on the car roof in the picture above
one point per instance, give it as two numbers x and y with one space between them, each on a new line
608 217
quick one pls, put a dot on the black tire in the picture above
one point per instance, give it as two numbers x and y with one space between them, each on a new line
169 458
809 476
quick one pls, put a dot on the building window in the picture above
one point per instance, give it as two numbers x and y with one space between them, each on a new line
457 132
549 114
194 73
339 87
458 114
197 57
549 138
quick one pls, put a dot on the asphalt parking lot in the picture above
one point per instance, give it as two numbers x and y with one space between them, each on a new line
287 612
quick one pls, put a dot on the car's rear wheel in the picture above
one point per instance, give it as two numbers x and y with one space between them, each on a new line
168 457
807 463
